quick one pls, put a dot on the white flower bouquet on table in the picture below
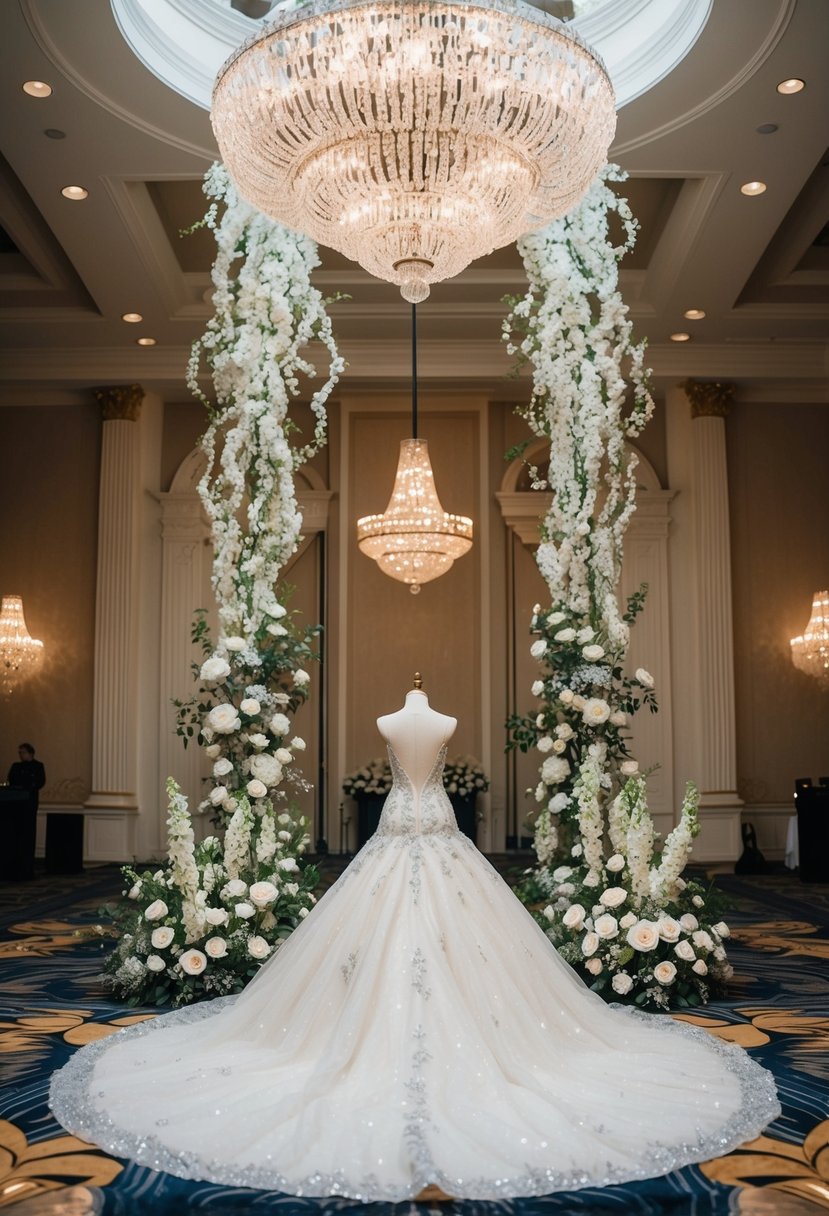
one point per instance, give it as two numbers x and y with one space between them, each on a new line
204 923
463 777
372 780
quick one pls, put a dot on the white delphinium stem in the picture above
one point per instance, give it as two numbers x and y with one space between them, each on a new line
640 838
237 839
677 850
591 825
546 837
184 872
618 821
266 842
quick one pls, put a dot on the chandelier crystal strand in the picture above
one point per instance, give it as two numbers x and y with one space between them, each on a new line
810 652
410 136
20 654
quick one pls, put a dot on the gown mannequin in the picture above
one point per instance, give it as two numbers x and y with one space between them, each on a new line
417 1029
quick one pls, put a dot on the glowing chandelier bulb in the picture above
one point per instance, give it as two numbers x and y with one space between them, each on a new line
20 654
414 540
810 652
411 136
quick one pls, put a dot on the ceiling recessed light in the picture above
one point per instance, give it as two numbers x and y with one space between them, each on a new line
694 314
767 128
752 188
146 341
37 88
680 337
75 193
793 85
54 133
132 317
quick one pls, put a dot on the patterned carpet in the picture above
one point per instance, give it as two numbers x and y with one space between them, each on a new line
50 958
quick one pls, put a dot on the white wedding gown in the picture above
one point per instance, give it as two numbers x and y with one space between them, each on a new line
418 1027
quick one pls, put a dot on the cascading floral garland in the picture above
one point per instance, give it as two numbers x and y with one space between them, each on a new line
206 920
590 394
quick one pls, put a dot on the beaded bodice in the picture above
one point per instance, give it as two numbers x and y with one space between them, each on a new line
415 812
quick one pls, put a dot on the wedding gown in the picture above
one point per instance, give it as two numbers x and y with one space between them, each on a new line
418 1027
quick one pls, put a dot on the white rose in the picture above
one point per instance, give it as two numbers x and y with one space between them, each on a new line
576 850
263 893
629 768
592 653
278 611
222 767
644 935
644 677
566 696
258 740
234 888
213 750
590 944
544 744
538 649
266 768
698 901
155 963
615 863
613 896
689 922
156 910
594 966
256 789
537 688
621 983
217 795
565 888
562 872
162 937
245 911
565 635
585 635
301 678
283 835
289 865
573 918
629 918
591 879
234 643
135 890
214 669
276 630
664 973
303 912
564 731
557 804
685 951
700 967
606 926
193 962
579 702
617 718
669 929
258 947
283 755
215 916
224 719
559 746
298 744
702 940
555 618
719 953
250 706
539 721
554 769
216 947
279 725
291 888
722 930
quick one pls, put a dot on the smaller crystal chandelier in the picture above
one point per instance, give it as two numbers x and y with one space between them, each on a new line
810 653
20 654
414 540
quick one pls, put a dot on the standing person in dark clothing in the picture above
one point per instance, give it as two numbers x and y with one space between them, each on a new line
27 773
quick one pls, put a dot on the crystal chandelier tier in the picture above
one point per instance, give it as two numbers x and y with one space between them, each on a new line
20 654
810 652
411 135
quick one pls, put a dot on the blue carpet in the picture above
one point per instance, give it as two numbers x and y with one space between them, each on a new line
778 1008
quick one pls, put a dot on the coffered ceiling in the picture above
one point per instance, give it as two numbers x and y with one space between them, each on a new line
757 266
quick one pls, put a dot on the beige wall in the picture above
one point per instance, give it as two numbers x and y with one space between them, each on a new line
49 513
777 461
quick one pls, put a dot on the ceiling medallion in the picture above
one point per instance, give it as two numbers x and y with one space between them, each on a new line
412 136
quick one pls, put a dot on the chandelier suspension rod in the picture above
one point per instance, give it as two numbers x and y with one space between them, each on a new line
414 371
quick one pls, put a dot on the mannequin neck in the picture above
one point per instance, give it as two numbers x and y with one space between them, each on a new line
416 699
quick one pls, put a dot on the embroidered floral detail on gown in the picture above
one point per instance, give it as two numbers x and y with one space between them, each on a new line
418 1027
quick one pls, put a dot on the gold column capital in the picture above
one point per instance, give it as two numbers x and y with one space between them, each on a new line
119 402
709 398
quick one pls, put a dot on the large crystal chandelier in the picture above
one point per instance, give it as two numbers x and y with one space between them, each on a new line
20 654
414 540
414 135
810 652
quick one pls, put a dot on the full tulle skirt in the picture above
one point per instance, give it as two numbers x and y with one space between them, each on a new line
417 1028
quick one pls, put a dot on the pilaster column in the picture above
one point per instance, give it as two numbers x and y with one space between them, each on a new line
717 778
115 734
